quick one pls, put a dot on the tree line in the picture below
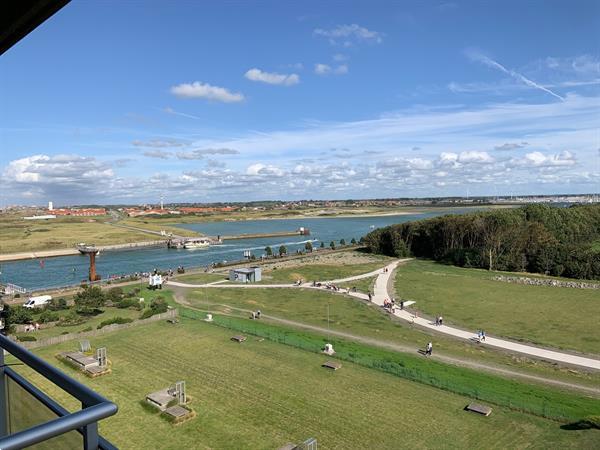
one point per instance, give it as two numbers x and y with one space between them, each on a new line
534 238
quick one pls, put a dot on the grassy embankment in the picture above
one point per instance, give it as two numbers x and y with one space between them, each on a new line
553 316
18 235
261 394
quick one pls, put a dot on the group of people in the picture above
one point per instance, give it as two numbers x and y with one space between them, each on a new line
480 335
438 321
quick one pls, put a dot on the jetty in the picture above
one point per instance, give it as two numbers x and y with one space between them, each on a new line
299 232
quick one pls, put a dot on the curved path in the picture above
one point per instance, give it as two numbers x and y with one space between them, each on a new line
382 292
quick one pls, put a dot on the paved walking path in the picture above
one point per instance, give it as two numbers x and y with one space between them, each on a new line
381 291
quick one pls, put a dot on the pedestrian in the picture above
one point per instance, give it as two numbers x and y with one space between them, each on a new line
478 335
483 335
429 349
370 297
401 305
441 320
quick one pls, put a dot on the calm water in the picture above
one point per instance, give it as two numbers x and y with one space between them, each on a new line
69 270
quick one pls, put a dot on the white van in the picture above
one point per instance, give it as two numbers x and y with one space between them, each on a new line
36 302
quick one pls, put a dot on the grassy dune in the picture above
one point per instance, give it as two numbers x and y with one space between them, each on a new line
553 316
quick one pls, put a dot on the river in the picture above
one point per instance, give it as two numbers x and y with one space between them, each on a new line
71 270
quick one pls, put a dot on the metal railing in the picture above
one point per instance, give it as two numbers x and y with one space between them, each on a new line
85 421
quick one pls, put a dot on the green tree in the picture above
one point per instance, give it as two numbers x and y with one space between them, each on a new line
18 314
269 251
322 244
353 241
332 245
308 246
342 241
89 299
282 250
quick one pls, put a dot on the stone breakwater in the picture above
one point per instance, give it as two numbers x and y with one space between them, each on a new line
547 282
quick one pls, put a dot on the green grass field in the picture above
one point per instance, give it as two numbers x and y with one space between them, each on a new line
18 235
354 316
553 316
201 278
363 285
319 272
260 394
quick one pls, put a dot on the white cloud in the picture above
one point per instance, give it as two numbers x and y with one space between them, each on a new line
348 34
475 157
339 57
201 153
326 69
264 169
160 143
272 77
157 154
197 89
507 146
322 69
538 159
341 69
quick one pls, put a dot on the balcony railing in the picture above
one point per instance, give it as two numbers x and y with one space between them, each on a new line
28 416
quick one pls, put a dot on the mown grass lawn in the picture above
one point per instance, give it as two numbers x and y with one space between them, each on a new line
200 278
557 317
354 316
318 272
260 394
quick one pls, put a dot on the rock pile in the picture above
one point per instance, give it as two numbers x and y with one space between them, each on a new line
547 282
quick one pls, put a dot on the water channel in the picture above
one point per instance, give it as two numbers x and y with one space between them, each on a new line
71 270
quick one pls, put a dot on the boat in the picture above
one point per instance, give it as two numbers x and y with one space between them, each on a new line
85 248
196 243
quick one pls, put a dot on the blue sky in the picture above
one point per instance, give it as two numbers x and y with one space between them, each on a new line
122 102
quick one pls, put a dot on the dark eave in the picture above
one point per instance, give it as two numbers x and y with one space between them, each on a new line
18 18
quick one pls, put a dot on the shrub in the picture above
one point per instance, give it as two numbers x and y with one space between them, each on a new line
128 303
86 329
71 318
56 304
26 338
114 294
146 313
117 319
48 316
19 314
89 299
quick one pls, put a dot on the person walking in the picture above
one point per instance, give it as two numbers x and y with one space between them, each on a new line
483 335
441 319
428 349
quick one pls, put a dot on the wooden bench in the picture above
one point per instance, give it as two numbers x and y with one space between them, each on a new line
239 338
334 365
479 409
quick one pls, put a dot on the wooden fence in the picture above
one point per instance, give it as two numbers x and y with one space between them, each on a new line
170 314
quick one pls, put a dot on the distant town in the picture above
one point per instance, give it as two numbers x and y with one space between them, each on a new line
166 209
